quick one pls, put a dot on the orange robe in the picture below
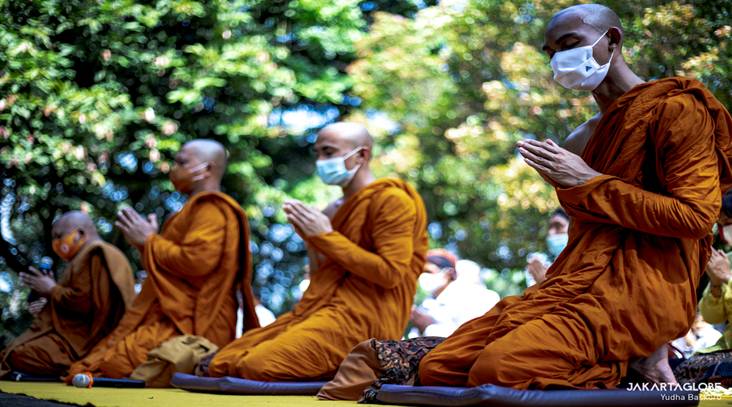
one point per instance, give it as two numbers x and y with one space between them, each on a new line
193 269
638 243
362 290
85 306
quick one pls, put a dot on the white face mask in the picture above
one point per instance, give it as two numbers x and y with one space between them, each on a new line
333 171
577 68
431 281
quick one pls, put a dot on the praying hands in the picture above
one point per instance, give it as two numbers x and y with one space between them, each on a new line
558 166
307 221
136 228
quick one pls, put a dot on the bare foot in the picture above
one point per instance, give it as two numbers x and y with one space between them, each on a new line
655 368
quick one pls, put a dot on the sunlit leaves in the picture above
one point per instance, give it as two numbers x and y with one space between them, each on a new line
96 98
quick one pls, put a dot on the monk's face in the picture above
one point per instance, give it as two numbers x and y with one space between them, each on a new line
558 225
68 238
569 31
330 145
188 170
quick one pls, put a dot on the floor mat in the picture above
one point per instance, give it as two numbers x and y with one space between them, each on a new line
109 397
238 386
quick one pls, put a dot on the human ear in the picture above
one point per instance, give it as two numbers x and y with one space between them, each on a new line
365 153
615 38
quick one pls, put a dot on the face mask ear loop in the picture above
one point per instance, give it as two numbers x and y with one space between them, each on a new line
612 53
351 154
196 169
599 38
199 167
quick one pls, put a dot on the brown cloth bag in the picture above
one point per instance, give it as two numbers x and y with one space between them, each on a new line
178 354
373 363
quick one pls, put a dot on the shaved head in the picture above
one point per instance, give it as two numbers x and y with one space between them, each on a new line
348 140
72 220
595 15
585 24
210 151
353 133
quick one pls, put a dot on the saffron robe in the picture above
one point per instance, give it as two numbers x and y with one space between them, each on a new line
193 270
363 289
86 304
638 242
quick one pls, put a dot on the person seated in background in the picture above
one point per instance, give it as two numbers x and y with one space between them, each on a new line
367 250
457 294
557 236
80 309
439 272
716 303
704 348
194 267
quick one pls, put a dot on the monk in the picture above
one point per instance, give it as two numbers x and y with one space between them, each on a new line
74 314
193 268
641 181
367 250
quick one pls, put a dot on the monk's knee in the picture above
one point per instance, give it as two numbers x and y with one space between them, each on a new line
249 364
497 365
255 366
19 361
29 360
218 366
439 368
428 370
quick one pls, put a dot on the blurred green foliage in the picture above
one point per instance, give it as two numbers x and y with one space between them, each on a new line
96 96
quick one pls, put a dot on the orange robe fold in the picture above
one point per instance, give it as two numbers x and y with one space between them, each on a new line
638 243
362 290
194 268
85 306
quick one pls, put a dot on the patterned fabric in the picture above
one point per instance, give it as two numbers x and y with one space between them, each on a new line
713 367
399 362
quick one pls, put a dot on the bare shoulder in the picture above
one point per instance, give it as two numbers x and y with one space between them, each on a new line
577 139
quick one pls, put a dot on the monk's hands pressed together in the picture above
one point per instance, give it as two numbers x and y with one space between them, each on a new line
718 268
307 221
136 228
40 282
537 270
36 306
556 165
